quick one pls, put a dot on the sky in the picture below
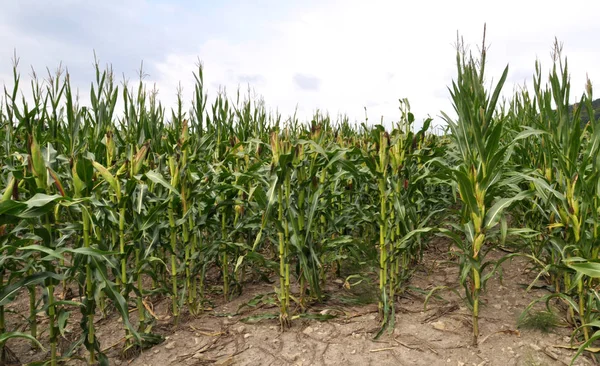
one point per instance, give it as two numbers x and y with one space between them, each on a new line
330 55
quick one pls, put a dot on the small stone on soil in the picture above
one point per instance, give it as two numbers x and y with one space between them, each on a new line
170 345
551 354
439 325
535 347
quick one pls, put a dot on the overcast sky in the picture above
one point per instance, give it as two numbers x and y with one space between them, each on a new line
339 56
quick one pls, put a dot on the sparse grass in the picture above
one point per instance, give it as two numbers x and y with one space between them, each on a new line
362 294
543 320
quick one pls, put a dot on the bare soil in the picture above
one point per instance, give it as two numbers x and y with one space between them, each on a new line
438 335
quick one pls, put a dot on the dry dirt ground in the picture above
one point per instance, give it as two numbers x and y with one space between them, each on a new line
439 335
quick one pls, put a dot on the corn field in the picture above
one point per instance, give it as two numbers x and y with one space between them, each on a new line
108 205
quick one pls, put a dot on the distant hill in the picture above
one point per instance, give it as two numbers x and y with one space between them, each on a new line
584 112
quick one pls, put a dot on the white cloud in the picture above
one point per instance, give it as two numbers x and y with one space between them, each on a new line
363 54
353 47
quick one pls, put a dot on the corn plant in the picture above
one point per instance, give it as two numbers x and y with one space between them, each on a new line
480 174
144 204
403 213
566 182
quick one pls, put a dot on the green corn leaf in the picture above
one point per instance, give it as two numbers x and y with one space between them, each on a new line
590 269
85 171
105 256
586 345
492 103
109 178
491 144
63 316
466 190
111 291
271 197
494 214
159 179
10 335
7 293
405 240
40 199
335 156
528 132
12 208
42 249
256 318
315 146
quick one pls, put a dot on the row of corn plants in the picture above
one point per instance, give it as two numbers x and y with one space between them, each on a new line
109 207
528 172
105 211
564 172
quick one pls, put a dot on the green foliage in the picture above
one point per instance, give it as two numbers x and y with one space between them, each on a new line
111 202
